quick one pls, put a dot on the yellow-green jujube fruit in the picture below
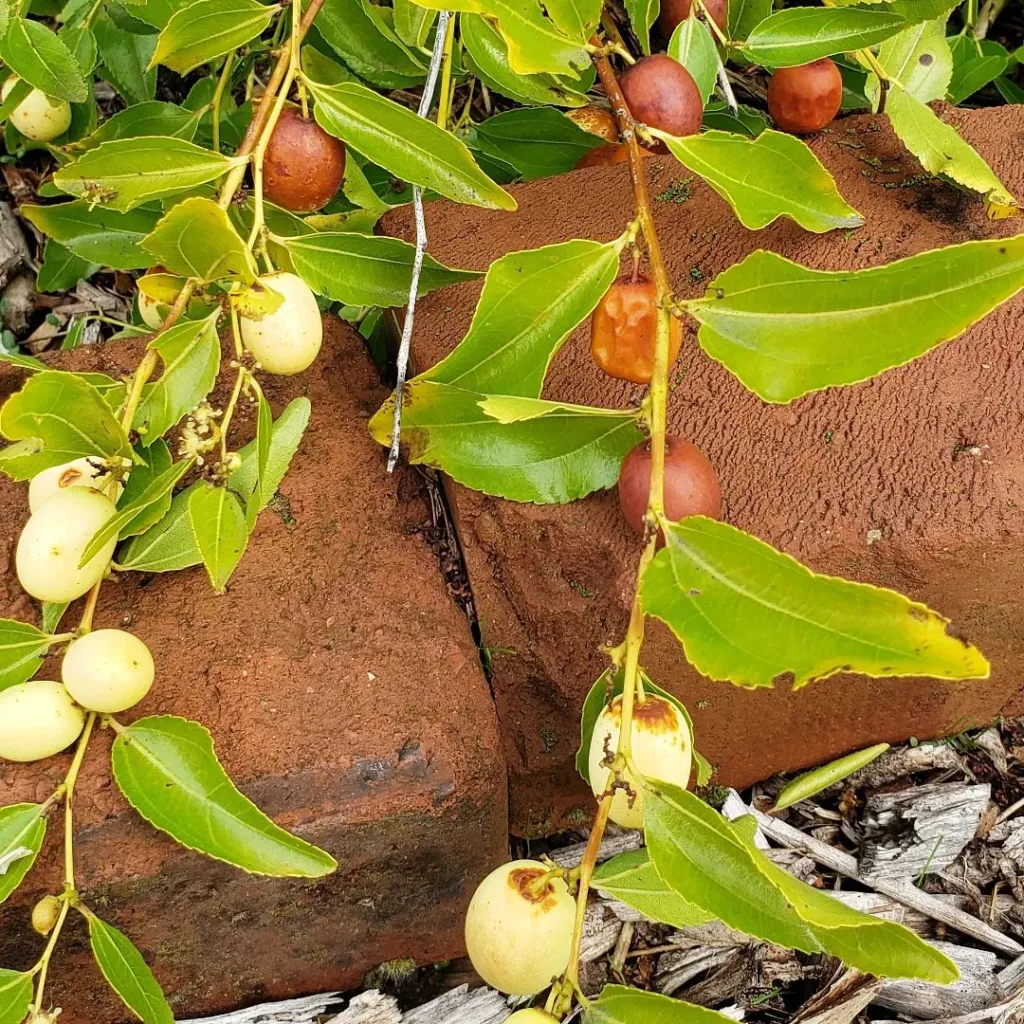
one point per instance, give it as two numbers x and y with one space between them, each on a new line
54 539
84 472
286 341
519 928
531 1016
37 116
150 311
107 670
45 914
661 748
37 719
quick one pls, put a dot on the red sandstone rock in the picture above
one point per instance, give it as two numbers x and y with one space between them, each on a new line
344 694
914 480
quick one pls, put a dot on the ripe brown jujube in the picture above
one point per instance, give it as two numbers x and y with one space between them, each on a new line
662 94
804 99
691 483
674 12
303 165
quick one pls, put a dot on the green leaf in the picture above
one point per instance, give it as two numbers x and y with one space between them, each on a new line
80 40
22 648
642 15
286 436
15 996
262 492
488 51
149 464
786 330
125 57
22 827
219 523
127 973
523 449
167 769
803 787
746 15
159 488
61 269
975 65
367 46
124 173
412 147
153 117
539 142
197 239
632 878
747 613
67 415
52 613
619 1004
576 18
919 59
98 235
35 53
798 35
413 23
191 356
208 29
535 45
364 270
698 853
530 304
942 151
746 120
1009 90
693 47
774 175
14 97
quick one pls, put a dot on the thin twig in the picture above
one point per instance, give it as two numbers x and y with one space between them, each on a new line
421 245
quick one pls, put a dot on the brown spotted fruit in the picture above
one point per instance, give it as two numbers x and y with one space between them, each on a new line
303 165
806 98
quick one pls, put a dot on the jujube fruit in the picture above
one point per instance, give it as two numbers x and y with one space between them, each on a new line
624 329
107 670
661 93
37 116
531 1016
286 341
519 938
804 99
691 483
303 165
150 308
675 12
45 914
37 719
83 472
597 121
659 747
54 540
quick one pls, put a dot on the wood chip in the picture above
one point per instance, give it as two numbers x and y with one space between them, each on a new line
304 1010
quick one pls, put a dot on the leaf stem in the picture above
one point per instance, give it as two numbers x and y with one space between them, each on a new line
444 98
43 965
69 792
218 96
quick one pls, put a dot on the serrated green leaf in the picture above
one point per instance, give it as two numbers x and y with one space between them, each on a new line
919 59
633 879
153 117
15 996
208 29
976 63
51 613
576 18
191 356
798 35
619 1004
1009 89
535 45
523 449
412 147
749 614
786 330
35 53
530 303
197 239
81 42
22 828
262 492
22 648
941 150
803 787
642 15
488 51
61 269
167 769
127 973
365 270
98 235
125 173
150 463
771 176
693 47
64 412
219 523
125 57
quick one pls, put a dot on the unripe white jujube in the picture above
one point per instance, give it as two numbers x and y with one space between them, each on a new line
519 940
660 749
287 340
37 719
531 1016
37 116
107 670
54 539
84 472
